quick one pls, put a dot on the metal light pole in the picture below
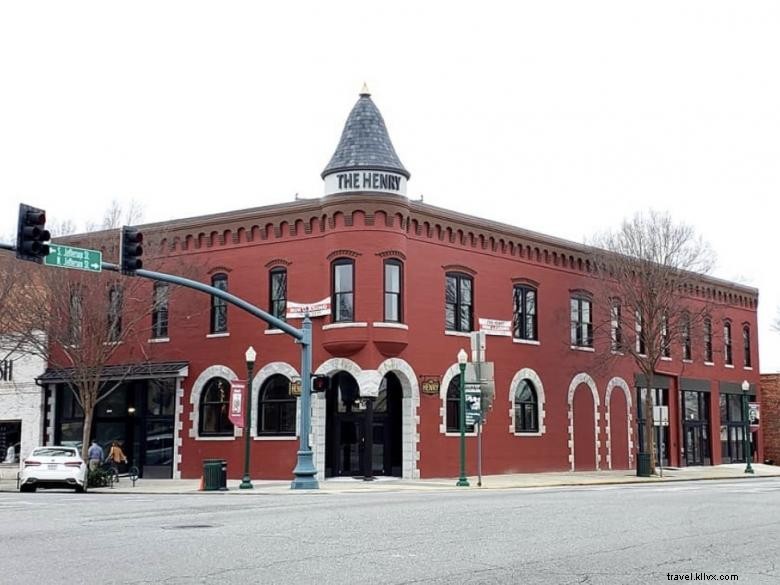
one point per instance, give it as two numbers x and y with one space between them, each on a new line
250 355
462 357
305 472
746 421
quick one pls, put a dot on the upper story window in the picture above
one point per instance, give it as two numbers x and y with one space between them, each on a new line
666 347
75 315
453 407
160 310
727 353
277 293
343 290
276 407
708 340
7 370
526 408
581 322
219 323
686 337
746 346
641 346
524 324
616 325
458 302
114 313
393 288
214 420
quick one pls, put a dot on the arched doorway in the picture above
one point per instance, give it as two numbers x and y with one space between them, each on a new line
363 435
386 450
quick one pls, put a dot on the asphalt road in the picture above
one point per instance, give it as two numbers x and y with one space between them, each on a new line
600 534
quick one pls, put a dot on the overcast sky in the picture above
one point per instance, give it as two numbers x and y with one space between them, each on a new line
560 117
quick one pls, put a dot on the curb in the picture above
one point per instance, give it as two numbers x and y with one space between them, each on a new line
433 488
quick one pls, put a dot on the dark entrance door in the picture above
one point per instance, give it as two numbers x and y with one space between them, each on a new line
362 435
696 427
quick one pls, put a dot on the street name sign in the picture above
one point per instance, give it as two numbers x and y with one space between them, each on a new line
76 258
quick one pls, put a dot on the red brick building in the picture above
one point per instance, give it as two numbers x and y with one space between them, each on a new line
405 282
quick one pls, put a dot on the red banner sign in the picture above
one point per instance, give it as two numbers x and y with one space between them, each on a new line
237 395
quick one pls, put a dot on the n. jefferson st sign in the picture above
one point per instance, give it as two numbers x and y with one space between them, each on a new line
365 181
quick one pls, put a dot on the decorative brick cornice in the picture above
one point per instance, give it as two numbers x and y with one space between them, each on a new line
277 262
391 254
459 268
524 280
339 253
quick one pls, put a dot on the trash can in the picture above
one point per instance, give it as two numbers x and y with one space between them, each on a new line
212 474
643 464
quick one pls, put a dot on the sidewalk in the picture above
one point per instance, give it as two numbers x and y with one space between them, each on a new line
390 484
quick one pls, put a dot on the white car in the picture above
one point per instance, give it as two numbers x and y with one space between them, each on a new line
53 467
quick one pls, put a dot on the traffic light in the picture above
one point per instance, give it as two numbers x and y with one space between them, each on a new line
130 250
31 234
320 383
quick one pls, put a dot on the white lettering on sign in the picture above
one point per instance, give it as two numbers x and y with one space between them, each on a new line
496 327
299 310
365 181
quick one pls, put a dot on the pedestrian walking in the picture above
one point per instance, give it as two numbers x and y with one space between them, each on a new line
95 455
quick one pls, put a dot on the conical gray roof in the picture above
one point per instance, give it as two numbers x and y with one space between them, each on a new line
364 142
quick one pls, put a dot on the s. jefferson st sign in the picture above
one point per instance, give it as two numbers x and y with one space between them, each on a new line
368 180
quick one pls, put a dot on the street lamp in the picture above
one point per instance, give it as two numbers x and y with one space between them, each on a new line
462 357
746 421
250 355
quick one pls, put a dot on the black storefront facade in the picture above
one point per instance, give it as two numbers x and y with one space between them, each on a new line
138 411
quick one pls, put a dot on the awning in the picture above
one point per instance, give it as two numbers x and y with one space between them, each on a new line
121 372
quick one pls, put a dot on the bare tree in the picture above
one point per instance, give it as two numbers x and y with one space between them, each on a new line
93 321
648 269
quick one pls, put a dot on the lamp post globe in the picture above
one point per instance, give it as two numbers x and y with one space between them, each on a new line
250 356
462 359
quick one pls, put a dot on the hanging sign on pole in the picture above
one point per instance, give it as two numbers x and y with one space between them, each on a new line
237 395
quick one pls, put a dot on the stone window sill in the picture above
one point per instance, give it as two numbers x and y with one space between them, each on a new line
215 335
273 332
457 333
582 348
391 325
344 325
159 340
526 341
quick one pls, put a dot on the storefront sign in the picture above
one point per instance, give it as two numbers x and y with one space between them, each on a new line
496 327
365 181
754 412
430 385
236 412
299 310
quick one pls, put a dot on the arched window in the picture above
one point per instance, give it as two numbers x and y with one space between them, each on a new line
458 302
453 407
343 290
393 291
219 306
277 293
746 346
276 407
526 408
214 399
524 315
729 356
708 340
